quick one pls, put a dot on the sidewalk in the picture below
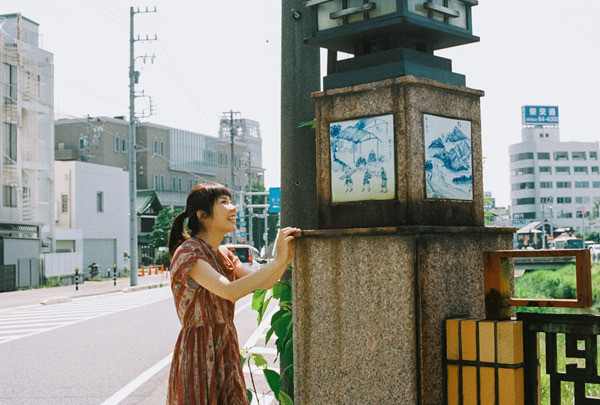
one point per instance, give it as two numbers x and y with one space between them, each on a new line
52 295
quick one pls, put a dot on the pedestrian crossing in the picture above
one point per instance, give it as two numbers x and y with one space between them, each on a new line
22 322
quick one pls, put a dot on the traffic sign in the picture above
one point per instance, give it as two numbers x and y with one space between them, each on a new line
274 199
242 224
243 234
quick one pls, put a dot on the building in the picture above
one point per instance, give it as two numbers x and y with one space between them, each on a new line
170 161
552 180
26 140
247 151
92 215
494 215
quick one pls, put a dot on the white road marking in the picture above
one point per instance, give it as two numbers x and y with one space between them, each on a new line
138 381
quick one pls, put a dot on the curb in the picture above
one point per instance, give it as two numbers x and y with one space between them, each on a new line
145 287
55 300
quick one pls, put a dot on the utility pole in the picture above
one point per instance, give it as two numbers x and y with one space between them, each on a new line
232 132
250 210
133 79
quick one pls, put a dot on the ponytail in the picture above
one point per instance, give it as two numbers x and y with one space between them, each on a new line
178 234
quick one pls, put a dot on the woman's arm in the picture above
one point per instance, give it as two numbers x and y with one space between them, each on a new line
205 275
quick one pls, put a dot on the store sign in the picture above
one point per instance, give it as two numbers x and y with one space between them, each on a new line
539 115
274 199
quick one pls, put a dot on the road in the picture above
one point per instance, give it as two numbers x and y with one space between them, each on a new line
107 349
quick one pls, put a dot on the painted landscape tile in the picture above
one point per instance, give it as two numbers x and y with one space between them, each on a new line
448 159
362 159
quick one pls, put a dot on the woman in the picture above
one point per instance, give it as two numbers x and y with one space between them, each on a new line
206 280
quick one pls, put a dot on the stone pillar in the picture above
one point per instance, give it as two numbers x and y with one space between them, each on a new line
374 284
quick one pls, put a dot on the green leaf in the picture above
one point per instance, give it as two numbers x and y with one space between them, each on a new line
259 360
311 123
288 352
277 288
249 395
274 381
283 325
284 398
258 298
262 310
286 294
244 357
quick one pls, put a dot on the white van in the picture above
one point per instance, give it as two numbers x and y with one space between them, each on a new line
247 254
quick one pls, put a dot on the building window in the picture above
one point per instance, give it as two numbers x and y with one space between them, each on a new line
9 144
9 196
593 155
123 146
64 203
546 200
582 200
147 224
561 155
522 171
82 142
162 182
563 184
578 155
582 184
162 148
546 169
9 79
522 186
524 215
192 184
525 201
521 156
581 214
580 169
595 169
100 201
565 215
117 143
563 170
545 184
563 200
179 184
543 156
596 184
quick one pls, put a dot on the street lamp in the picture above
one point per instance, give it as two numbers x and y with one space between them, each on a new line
390 38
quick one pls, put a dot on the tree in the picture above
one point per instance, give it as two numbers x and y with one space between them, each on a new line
162 226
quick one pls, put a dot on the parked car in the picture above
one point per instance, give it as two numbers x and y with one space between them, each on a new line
247 254
595 251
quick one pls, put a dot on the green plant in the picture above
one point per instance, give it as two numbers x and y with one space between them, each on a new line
281 327
53 282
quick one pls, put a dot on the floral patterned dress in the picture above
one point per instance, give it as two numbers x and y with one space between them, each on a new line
206 366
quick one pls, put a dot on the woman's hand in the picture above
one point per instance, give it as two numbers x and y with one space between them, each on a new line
284 247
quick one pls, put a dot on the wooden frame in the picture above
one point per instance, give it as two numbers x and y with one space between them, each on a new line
497 276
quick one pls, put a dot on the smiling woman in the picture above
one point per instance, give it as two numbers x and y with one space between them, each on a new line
207 279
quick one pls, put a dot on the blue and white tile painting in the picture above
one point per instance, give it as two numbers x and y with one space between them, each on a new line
362 159
448 158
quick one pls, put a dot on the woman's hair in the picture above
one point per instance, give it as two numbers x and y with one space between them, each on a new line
202 198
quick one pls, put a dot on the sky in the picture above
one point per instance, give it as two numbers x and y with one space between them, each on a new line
217 56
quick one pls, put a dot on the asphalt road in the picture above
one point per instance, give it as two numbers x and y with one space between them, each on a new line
106 349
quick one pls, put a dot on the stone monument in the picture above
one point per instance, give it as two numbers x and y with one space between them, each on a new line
400 238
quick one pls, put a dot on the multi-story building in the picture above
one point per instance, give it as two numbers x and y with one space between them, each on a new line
552 180
26 135
92 214
169 161
247 142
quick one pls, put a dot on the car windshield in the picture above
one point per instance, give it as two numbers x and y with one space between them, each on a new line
242 253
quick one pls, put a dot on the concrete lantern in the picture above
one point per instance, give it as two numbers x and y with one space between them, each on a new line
390 38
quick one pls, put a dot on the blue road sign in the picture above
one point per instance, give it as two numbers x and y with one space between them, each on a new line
243 234
274 199
242 224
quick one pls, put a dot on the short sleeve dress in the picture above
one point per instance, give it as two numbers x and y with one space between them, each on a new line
206 367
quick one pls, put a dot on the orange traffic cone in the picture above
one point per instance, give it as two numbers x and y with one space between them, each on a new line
142 271
162 268
156 269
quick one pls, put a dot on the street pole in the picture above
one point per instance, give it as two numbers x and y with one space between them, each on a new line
133 78
133 259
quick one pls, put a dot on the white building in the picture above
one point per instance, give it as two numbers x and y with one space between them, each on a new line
92 213
552 180
27 145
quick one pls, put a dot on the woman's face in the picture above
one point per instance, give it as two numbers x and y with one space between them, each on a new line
223 216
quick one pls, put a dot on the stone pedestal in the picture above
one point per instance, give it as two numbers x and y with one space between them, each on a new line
370 306
374 284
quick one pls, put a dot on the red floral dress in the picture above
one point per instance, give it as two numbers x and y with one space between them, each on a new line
206 366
